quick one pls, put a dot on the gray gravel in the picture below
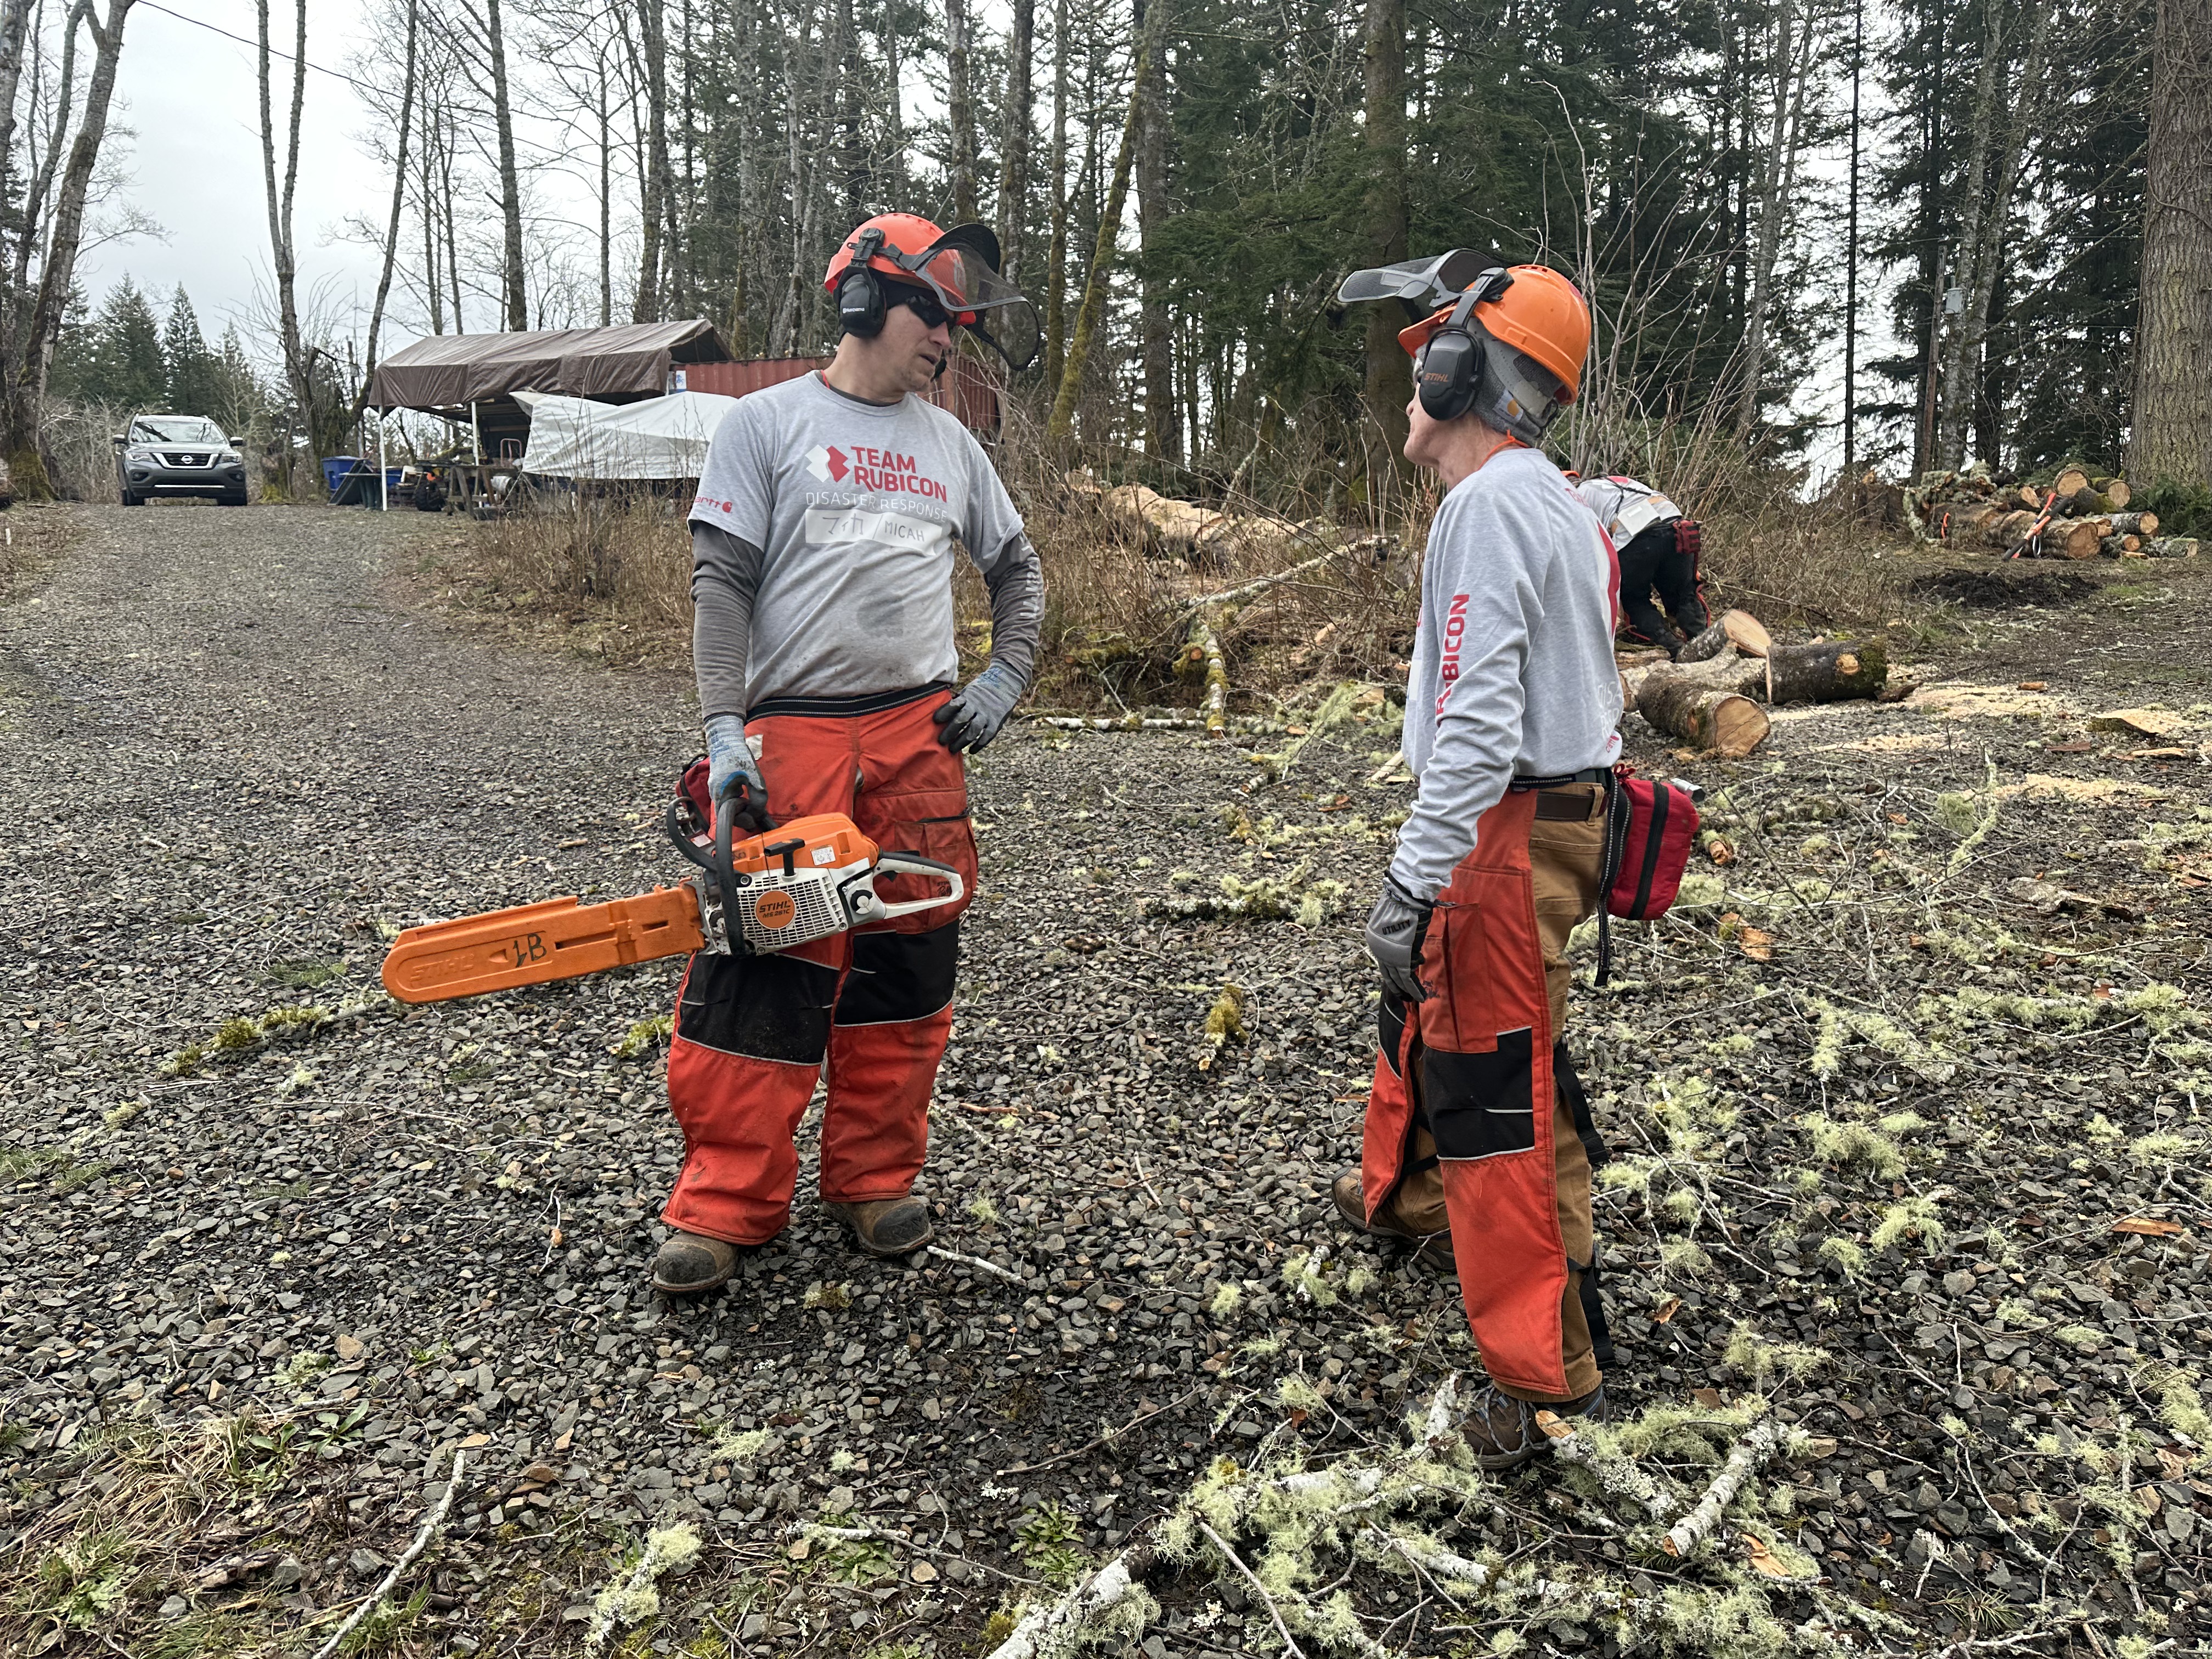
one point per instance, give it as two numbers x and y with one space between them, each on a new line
241 752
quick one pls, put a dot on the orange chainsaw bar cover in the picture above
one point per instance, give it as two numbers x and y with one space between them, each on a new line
534 944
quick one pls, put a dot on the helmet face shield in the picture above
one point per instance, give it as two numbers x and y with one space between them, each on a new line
960 268
1419 285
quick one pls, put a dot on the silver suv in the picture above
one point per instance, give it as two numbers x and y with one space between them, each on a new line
178 455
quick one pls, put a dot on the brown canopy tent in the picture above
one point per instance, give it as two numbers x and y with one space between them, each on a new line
471 379
447 372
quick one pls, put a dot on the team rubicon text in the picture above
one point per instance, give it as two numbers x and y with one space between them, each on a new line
878 470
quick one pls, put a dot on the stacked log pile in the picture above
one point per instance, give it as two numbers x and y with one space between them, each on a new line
2074 516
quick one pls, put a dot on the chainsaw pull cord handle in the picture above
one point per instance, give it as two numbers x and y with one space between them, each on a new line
788 850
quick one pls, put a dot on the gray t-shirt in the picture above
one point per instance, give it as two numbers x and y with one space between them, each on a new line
1513 669
853 508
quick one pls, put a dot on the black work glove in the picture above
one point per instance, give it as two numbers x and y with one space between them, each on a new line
1396 930
979 708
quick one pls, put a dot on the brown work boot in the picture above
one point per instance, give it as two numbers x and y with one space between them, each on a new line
690 1263
1433 1249
1501 1431
889 1226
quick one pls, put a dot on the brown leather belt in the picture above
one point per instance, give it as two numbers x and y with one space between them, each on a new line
1557 806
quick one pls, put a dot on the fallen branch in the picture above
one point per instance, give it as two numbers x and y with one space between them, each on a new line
939 1251
1106 1439
1238 595
1765 1439
1289 1642
1205 640
1615 1472
428 1530
1111 1584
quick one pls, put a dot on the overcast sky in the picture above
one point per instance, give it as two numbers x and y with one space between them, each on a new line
188 95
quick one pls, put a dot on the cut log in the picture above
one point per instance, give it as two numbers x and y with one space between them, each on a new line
2028 497
1970 522
1726 672
2170 547
2114 490
2072 539
2135 524
2120 547
1737 629
2068 482
1725 723
2010 529
1834 671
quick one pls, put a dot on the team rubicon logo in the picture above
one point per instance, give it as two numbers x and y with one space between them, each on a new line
881 471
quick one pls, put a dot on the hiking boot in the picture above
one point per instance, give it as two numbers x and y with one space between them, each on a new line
889 1226
690 1263
1433 1249
1501 1432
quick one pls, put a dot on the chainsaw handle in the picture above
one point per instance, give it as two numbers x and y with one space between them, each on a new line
724 869
682 823
913 863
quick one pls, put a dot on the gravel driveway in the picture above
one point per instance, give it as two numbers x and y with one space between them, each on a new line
276 1250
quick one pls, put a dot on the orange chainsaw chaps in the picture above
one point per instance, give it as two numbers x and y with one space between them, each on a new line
536 943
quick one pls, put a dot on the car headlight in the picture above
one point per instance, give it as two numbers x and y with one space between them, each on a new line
143 456
229 456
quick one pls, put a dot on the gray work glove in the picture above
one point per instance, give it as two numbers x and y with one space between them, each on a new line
979 708
731 766
1395 929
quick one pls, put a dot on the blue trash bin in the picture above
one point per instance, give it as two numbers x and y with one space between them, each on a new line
335 468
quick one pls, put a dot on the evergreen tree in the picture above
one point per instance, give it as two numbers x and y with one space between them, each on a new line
190 366
123 361
237 399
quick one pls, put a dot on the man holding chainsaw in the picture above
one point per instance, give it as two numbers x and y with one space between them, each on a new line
821 554
1478 1141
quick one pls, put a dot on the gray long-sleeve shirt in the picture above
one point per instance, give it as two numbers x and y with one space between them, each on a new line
1513 669
822 549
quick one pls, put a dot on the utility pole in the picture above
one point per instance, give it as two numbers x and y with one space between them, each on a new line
1851 254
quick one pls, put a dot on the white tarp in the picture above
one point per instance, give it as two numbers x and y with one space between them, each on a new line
660 438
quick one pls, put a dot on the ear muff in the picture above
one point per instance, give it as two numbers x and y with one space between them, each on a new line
1449 372
860 302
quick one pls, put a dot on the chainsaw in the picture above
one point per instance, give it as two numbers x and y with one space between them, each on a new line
789 886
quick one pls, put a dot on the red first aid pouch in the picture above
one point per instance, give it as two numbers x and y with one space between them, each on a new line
1652 826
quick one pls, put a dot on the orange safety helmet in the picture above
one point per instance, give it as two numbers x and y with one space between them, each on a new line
957 267
1537 311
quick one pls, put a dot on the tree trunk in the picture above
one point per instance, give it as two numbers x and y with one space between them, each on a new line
1163 431
1014 147
1989 207
283 263
1733 631
510 181
1792 66
2171 436
1389 383
1724 722
1829 671
960 111
1062 423
392 226
606 202
1056 278
57 271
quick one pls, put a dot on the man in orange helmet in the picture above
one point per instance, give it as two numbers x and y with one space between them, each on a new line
1478 1140
821 572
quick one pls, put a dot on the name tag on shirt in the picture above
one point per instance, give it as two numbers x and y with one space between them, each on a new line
828 526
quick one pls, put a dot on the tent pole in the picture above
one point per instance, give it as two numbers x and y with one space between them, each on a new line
383 478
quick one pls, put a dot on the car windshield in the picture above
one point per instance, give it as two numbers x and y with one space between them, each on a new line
175 429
